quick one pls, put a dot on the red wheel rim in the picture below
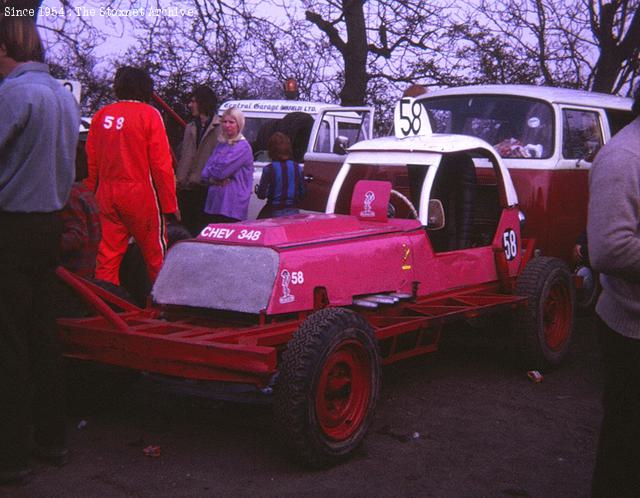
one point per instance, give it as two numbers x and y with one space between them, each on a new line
557 316
344 390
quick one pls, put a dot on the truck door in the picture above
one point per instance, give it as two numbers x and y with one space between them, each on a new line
334 130
582 132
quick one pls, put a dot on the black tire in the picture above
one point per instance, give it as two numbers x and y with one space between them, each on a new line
177 232
68 304
543 327
134 277
114 289
327 387
297 126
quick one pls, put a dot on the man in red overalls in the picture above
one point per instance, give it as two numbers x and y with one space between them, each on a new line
131 172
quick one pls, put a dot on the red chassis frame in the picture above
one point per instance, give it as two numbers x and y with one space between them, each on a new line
231 347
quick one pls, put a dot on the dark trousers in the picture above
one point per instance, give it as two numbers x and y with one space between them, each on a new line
191 204
31 383
617 470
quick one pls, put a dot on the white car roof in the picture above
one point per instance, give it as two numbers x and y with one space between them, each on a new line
278 106
436 142
401 151
550 94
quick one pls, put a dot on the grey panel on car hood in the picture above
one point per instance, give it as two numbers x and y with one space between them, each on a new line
223 277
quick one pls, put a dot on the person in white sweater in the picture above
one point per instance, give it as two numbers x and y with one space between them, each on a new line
613 231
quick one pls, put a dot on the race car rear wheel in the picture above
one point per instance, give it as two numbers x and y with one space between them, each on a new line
544 326
327 387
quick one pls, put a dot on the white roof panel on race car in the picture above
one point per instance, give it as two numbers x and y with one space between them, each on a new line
437 142
549 94
401 151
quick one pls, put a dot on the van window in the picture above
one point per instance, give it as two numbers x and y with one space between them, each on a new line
352 125
518 127
351 131
581 134
257 131
323 140
252 127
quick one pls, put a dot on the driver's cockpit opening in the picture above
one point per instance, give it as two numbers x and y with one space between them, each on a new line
467 185
397 175
468 192
455 187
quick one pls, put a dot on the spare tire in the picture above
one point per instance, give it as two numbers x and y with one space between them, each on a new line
297 126
133 269
264 134
176 232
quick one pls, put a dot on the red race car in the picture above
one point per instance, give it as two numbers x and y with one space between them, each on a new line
420 230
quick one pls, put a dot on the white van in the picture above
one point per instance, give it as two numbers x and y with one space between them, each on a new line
547 138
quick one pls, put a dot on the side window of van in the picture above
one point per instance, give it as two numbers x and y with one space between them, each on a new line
349 130
581 134
323 141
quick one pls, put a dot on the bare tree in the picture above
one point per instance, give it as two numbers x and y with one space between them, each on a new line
387 40
572 43
71 36
616 29
355 51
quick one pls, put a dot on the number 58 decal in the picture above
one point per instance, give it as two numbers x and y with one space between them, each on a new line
410 118
510 244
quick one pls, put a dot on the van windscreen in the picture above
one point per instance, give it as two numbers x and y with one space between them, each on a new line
517 127
257 132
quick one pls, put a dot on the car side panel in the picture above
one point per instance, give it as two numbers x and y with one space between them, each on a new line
563 193
437 272
345 269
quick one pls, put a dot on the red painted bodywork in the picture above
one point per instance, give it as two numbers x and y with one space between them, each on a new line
555 205
341 257
233 349
554 201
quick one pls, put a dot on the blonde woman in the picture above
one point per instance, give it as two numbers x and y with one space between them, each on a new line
229 172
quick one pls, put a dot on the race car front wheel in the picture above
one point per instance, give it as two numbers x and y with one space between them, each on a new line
327 387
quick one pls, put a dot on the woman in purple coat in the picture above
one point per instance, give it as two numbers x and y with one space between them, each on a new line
229 172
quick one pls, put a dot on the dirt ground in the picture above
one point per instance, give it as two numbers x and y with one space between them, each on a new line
463 422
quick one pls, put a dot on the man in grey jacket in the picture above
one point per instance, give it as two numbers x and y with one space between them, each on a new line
200 138
38 137
614 250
